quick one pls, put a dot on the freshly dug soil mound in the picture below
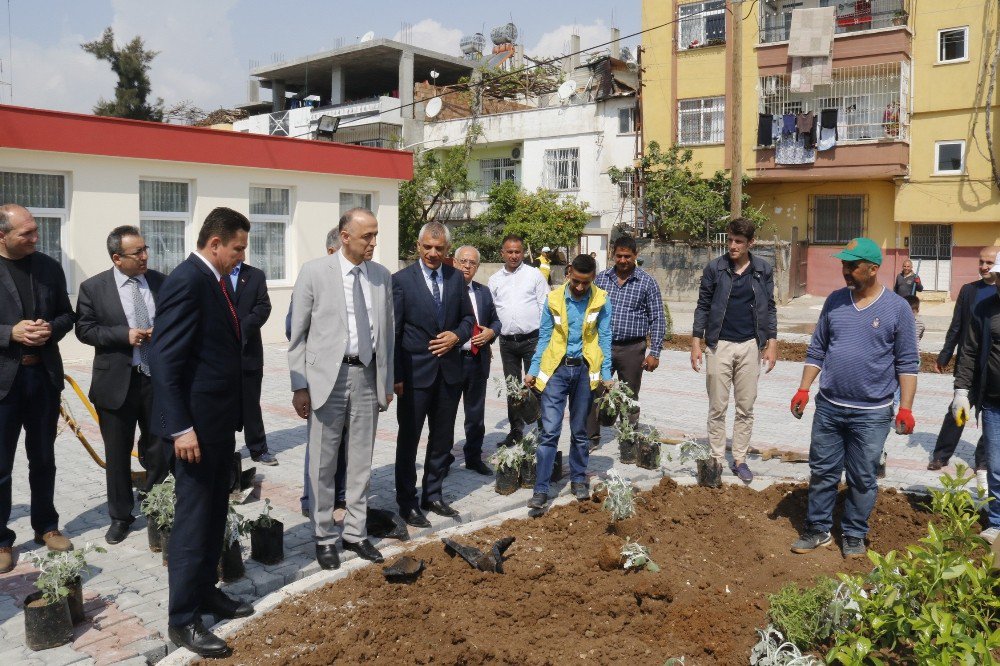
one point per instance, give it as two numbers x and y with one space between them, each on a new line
721 552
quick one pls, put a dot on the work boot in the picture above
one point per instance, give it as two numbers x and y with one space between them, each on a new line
54 540
6 559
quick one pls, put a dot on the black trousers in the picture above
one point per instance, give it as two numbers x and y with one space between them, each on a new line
474 402
118 432
33 404
199 528
253 420
516 359
947 442
626 362
438 405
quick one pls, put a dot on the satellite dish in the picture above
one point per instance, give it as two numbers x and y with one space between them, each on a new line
433 107
567 90
367 37
626 54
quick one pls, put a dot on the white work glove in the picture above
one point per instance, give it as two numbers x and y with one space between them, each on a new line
960 407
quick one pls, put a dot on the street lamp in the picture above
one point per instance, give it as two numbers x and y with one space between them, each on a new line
443 140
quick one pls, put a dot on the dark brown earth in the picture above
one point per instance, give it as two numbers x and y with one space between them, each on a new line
721 552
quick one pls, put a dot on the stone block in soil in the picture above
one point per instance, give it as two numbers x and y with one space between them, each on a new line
722 552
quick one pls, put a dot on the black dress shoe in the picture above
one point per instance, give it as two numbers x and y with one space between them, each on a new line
440 508
365 550
480 467
222 605
327 556
116 533
414 517
198 639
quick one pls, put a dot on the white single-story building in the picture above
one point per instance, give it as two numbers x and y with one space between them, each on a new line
81 176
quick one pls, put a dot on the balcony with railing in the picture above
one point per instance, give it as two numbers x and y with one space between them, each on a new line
851 16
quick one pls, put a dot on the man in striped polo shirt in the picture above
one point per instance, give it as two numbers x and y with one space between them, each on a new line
865 345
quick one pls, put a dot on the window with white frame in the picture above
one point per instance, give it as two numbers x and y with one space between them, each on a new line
44 195
953 45
626 185
270 216
349 200
164 214
949 158
701 23
838 219
495 171
701 121
562 169
626 120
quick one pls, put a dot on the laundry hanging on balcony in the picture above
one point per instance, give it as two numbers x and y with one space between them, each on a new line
765 129
810 47
827 129
792 149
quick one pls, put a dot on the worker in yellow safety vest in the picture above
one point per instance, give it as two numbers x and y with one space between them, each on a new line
545 263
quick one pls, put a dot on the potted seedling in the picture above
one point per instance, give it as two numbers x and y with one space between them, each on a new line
626 442
619 498
507 461
648 449
158 507
523 399
635 557
267 537
51 611
615 404
529 446
231 562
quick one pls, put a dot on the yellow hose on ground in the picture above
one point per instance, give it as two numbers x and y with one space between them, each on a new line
75 427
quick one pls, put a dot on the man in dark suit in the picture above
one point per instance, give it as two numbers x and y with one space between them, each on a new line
197 380
115 313
35 314
433 319
476 356
253 306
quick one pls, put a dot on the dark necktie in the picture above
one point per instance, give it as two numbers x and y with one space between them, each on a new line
436 292
364 327
141 321
232 310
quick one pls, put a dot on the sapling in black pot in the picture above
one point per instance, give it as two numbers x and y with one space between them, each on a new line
529 447
231 565
615 404
507 461
267 537
158 507
648 450
626 442
523 399
51 612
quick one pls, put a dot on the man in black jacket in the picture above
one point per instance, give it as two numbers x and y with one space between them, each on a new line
115 314
35 314
253 306
969 296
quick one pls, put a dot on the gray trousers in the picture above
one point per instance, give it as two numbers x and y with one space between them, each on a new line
353 401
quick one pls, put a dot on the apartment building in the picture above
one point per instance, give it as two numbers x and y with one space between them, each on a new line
905 161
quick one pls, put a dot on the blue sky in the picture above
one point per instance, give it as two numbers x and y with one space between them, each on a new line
206 45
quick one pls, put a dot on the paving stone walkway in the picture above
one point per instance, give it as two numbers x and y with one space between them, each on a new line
127 595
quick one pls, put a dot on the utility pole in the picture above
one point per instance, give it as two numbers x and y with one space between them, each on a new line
736 100
638 176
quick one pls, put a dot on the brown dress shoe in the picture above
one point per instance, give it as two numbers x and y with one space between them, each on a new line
935 465
54 540
6 559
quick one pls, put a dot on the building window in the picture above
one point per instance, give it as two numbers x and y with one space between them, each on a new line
44 195
949 158
626 120
562 169
270 216
701 121
838 219
953 45
495 171
701 24
349 200
626 185
164 213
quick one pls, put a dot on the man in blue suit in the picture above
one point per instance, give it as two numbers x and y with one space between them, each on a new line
434 318
197 380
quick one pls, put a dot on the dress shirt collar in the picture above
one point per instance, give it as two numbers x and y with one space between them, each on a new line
346 266
121 279
513 272
215 271
427 271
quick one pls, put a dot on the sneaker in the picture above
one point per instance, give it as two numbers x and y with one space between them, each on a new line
990 534
538 501
580 491
742 471
853 547
935 465
982 482
810 540
265 459
593 445
6 559
54 540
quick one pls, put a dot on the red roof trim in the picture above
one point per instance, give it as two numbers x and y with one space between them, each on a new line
58 131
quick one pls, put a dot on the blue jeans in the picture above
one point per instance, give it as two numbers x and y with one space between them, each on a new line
991 436
572 383
843 437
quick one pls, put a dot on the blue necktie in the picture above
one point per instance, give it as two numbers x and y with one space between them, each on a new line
436 292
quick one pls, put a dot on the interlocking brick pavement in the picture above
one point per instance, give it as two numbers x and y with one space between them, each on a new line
127 594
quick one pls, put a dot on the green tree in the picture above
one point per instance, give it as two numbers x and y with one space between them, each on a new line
486 231
131 64
545 218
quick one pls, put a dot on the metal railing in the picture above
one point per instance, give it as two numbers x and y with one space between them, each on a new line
850 16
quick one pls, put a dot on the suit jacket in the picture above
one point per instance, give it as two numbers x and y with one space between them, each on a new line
253 306
417 325
960 318
197 376
51 304
101 323
319 328
487 319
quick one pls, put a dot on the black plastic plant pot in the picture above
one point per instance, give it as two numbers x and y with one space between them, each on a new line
155 536
404 570
648 455
626 450
507 480
231 565
606 418
710 473
165 545
75 600
557 472
46 625
529 409
528 472
267 544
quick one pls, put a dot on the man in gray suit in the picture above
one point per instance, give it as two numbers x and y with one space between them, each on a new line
339 356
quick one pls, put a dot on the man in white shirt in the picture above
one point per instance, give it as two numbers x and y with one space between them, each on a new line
519 292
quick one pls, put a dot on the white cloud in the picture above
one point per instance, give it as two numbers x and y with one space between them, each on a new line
430 34
59 76
556 42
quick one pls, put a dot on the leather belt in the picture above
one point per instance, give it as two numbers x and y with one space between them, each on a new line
31 359
520 337
629 341
573 361
355 360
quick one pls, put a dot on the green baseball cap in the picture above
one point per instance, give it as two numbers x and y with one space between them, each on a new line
861 249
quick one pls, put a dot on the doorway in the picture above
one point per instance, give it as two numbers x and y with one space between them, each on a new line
930 252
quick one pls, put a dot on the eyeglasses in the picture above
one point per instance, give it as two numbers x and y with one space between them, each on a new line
138 253
467 262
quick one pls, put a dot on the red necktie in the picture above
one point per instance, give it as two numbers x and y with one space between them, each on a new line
232 310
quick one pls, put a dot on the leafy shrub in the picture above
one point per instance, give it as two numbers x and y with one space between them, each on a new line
264 520
507 458
802 615
60 568
158 505
636 556
620 501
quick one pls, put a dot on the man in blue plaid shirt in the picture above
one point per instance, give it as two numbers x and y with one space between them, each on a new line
636 313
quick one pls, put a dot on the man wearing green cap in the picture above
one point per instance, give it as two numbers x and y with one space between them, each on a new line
865 345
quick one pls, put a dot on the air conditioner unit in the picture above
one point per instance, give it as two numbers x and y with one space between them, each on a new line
515 154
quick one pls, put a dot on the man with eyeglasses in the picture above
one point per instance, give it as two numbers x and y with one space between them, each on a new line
115 313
